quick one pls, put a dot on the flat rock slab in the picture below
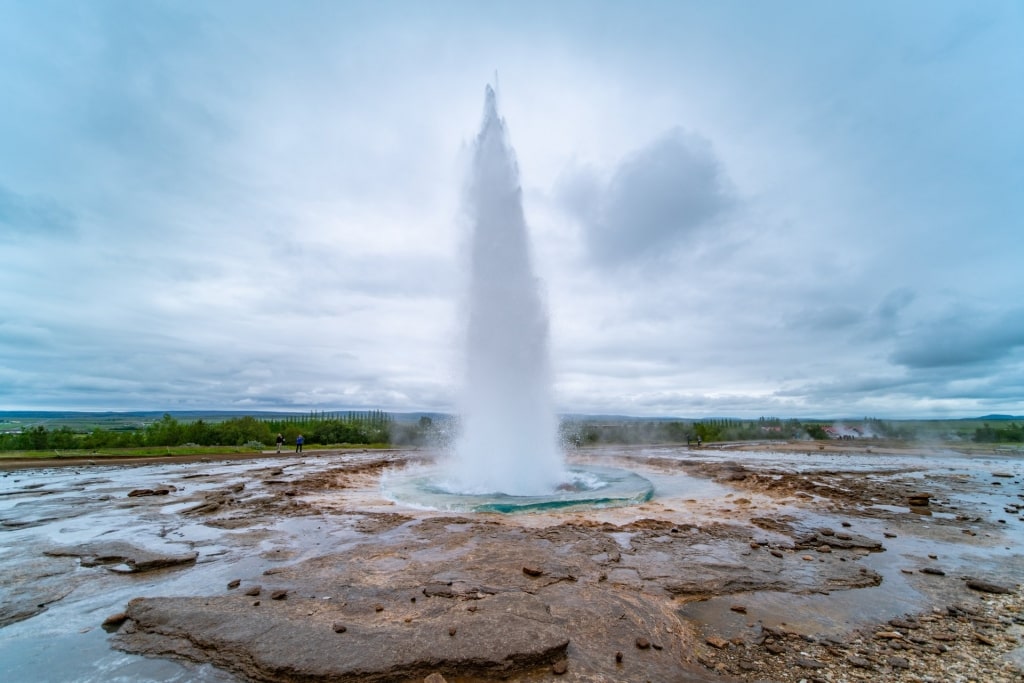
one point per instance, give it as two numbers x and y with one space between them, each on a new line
299 639
120 552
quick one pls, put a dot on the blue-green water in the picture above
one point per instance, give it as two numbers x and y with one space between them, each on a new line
585 487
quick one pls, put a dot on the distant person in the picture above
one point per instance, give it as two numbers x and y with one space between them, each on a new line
280 442
298 443
699 442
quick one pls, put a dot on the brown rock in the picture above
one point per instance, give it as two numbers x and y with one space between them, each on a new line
808 663
618 657
988 587
560 667
339 627
984 640
934 571
253 590
114 621
234 583
452 631
776 553
899 662
435 678
739 608
775 648
642 643
530 570
888 635
279 595
859 662
716 642
135 493
824 548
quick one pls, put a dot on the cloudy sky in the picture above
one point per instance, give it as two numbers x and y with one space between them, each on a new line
737 208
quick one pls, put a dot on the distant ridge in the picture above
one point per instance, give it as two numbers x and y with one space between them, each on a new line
997 417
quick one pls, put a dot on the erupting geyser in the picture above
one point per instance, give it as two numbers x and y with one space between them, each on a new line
507 457
509 439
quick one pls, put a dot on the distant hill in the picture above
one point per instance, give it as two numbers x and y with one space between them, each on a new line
995 418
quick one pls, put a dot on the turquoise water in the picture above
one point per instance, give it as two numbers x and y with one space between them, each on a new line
586 487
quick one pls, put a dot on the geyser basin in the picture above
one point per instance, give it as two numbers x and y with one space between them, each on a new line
585 486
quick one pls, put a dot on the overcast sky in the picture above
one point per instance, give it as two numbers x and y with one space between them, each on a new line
736 208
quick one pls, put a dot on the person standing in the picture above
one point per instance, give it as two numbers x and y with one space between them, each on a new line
298 443
280 442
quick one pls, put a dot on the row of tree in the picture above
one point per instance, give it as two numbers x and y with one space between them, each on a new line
372 427
1009 433
377 427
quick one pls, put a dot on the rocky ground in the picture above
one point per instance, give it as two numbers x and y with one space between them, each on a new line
904 571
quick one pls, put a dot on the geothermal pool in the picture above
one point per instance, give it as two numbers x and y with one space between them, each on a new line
322 528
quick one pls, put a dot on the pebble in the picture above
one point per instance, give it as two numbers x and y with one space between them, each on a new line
279 595
533 571
642 643
339 627
776 553
717 642
234 583
253 590
560 667
933 571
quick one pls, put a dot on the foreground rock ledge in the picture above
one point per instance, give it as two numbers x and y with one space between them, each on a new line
296 639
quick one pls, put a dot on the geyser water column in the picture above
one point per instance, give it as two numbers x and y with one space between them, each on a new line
509 430
507 457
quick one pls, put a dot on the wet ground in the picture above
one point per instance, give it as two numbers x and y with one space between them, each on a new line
754 564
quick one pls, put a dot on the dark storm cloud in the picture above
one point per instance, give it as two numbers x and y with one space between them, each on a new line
34 216
654 199
961 338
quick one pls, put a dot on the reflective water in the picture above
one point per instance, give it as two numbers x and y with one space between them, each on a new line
586 486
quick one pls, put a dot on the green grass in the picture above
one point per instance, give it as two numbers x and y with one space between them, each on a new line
141 452
164 451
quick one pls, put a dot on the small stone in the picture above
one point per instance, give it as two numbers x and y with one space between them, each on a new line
984 640
934 571
775 648
140 492
114 621
776 553
339 627
888 635
618 657
824 548
859 662
253 590
808 663
279 595
471 608
846 524
642 643
907 571
530 570
739 608
560 667
256 603
932 556
234 583
378 608
435 678
716 642
988 587
825 531
452 631
899 662
807 558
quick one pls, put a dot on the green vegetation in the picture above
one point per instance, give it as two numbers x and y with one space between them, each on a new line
237 434
146 434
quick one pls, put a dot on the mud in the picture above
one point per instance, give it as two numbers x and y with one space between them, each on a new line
779 565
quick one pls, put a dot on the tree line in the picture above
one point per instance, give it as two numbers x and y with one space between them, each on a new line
357 428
